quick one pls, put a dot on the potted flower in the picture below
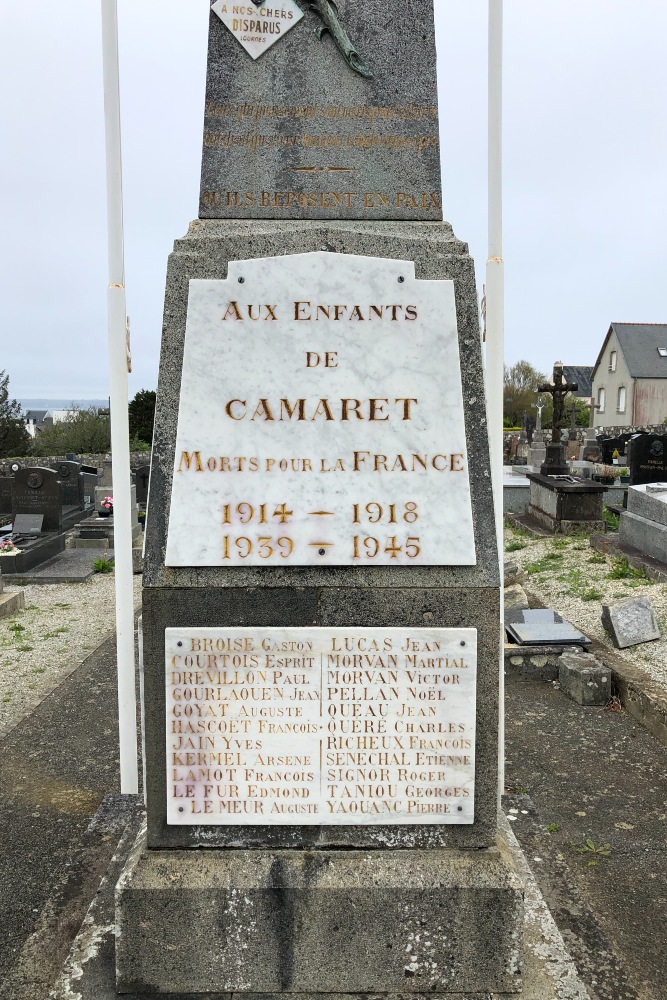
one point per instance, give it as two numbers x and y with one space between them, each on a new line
7 548
624 473
615 456
605 474
106 507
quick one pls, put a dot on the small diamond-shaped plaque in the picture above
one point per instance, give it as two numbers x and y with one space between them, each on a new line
257 28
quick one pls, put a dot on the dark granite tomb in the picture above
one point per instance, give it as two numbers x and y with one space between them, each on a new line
143 474
69 473
648 459
39 491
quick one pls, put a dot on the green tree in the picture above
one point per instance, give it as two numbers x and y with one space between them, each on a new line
84 432
14 438
142 415
520 391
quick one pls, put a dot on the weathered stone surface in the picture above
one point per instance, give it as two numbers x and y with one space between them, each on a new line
647 536
515 597
287 922
533 662
584 679
513 575
630 622
298 134
652 506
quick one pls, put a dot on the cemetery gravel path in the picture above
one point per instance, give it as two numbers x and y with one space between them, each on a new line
58 757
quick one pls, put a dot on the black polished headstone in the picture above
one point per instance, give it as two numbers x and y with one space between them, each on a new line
648 459
39 491
28 524
608 446
143 473
69 473
6 494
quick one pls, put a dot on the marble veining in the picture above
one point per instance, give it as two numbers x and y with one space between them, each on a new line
321 418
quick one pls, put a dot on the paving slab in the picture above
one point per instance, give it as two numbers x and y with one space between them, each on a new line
70 566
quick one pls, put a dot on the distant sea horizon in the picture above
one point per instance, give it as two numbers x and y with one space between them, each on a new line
60 404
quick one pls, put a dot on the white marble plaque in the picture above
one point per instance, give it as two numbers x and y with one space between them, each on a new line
321 419
320 726
258 27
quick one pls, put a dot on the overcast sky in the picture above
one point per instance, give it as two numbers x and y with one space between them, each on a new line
585 173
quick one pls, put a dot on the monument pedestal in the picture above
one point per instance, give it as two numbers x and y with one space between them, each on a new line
321 909
320 922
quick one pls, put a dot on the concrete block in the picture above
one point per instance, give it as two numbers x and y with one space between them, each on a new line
11 603
584 679
538 663
262 922
646 536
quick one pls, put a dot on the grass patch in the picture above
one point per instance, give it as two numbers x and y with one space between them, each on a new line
39 670
25 648
56 631
62 605
611 520
591 594
546 564
553 828
597 560
515 545
622 570
103 565
560 543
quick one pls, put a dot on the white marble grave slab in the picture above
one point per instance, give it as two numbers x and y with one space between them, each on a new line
321 419
255 27
320 726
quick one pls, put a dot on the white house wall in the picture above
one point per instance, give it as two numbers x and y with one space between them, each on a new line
611 382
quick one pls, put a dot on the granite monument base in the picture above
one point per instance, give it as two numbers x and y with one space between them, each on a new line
328 909
290 922
566 508
647 536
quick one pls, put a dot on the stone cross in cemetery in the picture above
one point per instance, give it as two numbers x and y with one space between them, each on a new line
321 584
554 463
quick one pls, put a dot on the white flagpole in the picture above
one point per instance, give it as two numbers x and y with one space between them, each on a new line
495 315
120 446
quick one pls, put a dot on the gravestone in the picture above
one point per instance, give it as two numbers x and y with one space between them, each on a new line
89 481
39 491
630 622
643 526
321 552
143 475
69 473
647 459
6 494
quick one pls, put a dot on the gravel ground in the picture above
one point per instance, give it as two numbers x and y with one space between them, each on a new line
40 646
573 579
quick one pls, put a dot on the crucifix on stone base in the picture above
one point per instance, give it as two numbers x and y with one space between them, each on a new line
554 463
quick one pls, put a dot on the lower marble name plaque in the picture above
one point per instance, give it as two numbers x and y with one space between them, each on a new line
320 726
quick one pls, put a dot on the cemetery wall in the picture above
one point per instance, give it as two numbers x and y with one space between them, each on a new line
616 429
137 459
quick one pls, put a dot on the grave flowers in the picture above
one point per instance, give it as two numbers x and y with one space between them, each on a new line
106 507
8 548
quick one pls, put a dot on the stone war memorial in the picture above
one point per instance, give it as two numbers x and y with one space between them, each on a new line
321 584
